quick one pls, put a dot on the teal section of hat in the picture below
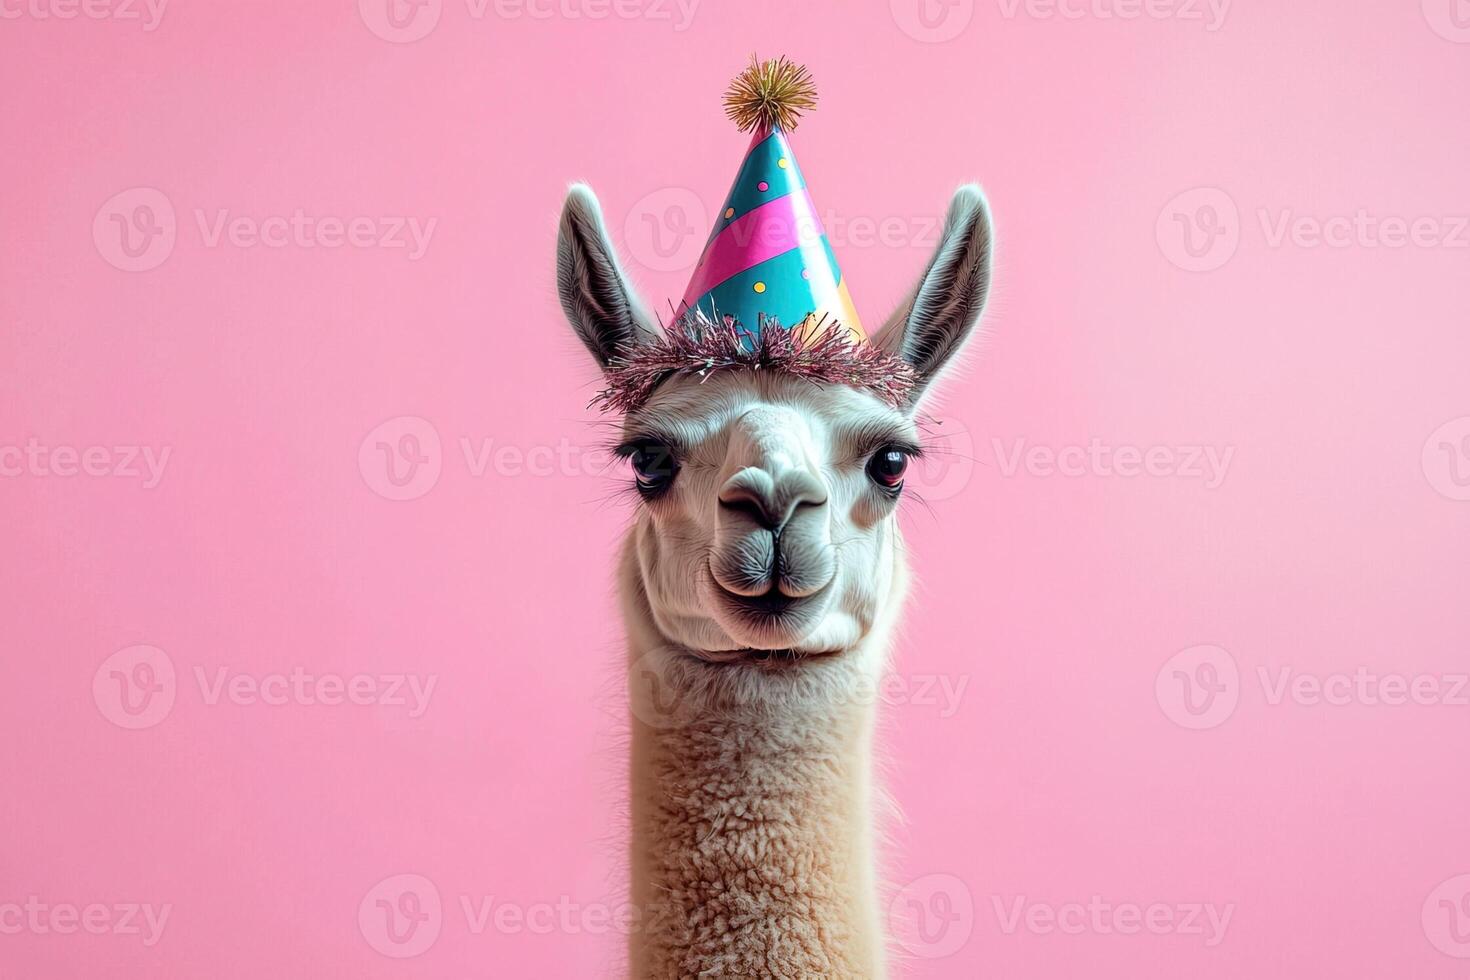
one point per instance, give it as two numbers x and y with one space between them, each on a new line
769 159
768 256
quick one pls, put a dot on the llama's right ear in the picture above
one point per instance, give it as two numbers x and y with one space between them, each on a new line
595 294
939 315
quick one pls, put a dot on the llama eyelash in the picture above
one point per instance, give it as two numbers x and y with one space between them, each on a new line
876 435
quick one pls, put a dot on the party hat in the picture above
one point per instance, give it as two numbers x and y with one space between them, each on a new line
768 258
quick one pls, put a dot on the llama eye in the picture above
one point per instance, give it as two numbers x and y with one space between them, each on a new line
888 466
654 466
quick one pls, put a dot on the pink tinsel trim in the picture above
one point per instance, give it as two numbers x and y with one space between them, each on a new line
822 354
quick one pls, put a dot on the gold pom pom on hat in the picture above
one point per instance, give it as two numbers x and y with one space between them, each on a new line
770 94
768 260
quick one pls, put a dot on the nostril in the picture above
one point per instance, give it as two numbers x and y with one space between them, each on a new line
771 501
752 508
815 500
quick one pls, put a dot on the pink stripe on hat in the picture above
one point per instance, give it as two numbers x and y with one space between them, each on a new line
762 233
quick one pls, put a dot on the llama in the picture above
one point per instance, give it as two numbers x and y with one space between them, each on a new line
759 587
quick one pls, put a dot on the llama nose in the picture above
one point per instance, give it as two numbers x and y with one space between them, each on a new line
771 500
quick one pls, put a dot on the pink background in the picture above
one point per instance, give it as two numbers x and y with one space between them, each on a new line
1336 539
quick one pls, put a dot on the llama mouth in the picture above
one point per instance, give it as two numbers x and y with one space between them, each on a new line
773 614
779 659
769 621
771 604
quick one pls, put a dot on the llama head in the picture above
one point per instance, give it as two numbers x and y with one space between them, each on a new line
767 529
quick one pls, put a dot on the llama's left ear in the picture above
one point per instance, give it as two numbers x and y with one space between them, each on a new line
595 293
933 323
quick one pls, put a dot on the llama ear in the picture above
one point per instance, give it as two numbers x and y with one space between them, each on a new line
595 294
934 321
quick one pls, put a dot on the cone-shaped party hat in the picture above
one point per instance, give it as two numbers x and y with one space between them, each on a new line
767 294
768 257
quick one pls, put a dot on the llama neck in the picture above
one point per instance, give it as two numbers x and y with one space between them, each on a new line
752 817
752 847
